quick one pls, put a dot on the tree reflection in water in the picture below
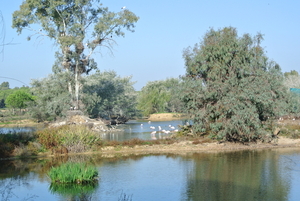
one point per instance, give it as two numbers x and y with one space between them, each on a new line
242 175
7 187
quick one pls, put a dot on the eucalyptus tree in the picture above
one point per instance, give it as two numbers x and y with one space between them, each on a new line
231 88
108 95
52 98
78 27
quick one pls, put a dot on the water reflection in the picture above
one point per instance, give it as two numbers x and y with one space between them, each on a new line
74 192
244 175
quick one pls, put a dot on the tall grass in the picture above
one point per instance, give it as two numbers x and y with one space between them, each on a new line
73 173
75 138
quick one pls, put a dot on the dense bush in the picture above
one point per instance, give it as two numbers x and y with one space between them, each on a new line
230 87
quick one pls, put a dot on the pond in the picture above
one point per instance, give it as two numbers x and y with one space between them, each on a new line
132 129
6 130
244 175
145 130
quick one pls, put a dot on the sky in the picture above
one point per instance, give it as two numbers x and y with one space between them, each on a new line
164 30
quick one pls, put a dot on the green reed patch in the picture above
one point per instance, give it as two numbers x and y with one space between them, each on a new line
73 173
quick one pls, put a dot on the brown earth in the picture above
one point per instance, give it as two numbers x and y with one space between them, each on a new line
184 147
165 117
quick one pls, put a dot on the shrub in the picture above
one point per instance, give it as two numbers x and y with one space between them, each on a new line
76 138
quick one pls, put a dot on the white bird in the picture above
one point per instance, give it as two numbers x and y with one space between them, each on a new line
153 133
159 128
141 125
152 127
123 7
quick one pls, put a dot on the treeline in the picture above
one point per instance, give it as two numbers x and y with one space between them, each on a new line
104 95
231 90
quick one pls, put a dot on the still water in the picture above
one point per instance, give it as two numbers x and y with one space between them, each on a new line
142 130
245 175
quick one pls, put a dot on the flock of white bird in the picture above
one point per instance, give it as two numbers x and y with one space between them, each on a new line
159 130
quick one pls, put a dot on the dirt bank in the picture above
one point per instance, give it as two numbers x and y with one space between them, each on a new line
189 146
165 117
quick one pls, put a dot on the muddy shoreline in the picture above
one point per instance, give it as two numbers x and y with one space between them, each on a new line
186 147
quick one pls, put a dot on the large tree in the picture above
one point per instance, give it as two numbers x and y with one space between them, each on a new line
78 27
231 88
110 96
52 98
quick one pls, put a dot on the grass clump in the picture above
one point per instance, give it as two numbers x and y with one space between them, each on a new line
73 173
75 138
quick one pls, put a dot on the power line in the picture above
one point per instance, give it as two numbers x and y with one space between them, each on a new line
15 80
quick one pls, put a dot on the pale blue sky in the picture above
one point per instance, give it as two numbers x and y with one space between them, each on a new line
154 50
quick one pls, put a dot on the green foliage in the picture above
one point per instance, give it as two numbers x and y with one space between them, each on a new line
73 173
5 92
4 86
74 137
52 97
107 95
19 99
78 27
230 87
292 73
159 96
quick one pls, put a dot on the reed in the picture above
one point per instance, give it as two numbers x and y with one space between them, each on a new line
73 173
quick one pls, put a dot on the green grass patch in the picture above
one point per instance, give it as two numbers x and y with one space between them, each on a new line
73 173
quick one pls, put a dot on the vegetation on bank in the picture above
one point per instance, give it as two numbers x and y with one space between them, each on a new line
80 139
231 91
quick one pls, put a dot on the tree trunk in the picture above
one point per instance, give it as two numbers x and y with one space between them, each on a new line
77 86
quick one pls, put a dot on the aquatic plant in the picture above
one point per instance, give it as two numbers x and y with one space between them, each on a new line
73 173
